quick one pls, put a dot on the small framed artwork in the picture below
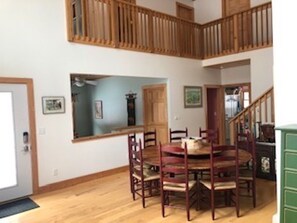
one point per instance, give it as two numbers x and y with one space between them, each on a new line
192 96
53 105
98 109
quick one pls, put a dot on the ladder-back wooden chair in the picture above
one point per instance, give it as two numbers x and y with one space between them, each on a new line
150 138
177 135
174 179
223 177
247 171
209 135
144 181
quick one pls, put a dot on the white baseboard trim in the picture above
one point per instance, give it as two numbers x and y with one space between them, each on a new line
275 218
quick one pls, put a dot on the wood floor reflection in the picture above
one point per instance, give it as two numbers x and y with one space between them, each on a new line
109 200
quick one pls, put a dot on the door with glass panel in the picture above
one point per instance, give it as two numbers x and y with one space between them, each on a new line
15 158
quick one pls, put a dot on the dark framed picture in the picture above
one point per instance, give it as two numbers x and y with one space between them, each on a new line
98 109
53 104
192 96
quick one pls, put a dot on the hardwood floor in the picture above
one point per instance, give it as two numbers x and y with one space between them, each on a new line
109 200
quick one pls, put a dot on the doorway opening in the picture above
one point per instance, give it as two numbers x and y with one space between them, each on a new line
236 98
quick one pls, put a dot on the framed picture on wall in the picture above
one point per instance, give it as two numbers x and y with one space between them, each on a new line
98 109
192 96
53 104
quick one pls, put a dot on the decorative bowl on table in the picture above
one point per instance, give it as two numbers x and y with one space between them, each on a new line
192 143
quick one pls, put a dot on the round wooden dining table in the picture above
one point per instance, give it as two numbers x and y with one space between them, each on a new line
198 159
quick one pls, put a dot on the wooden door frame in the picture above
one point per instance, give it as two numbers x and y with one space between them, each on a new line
220 110
32 124
223 95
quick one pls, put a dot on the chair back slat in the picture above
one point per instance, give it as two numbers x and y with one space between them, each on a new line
209 135
150 138
177 135
172 166
224 167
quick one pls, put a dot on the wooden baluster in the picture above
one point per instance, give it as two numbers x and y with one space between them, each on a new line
262 31
267 26
235 32
115 23
69 14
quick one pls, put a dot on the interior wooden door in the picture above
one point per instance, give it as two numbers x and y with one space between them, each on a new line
155 110
184 11
230 7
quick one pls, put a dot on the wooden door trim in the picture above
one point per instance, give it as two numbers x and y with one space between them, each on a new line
32 122
221 111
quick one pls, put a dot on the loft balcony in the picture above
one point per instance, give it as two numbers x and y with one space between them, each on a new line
119 24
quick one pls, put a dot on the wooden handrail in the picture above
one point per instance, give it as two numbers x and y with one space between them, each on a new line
259 111
120 24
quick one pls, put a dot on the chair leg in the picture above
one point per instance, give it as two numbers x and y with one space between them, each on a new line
212 202
237 200
163 203
188 205
142 194
254 193
133 188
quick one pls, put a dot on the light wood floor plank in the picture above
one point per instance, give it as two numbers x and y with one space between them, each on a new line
109 200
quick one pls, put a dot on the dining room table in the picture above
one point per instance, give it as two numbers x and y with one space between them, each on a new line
198 158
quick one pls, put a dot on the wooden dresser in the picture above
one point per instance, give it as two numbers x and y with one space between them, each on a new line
288 206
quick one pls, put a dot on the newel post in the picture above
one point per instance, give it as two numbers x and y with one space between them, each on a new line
114 23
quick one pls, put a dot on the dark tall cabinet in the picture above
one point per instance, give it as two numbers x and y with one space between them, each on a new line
131 108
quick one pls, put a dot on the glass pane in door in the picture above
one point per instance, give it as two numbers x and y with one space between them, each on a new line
7 142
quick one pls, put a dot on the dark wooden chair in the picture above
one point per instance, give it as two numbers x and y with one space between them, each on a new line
177 135
247 171
209 135
174 180
150 138
223 177
132 138
144 181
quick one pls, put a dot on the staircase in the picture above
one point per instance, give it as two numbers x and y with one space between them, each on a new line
259 112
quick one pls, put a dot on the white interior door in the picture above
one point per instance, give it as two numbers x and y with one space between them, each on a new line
15 159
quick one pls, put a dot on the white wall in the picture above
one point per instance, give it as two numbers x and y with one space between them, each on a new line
34 45
285 46
165 6
206 11
239 74
261 64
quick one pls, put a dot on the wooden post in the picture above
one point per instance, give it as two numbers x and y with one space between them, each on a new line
201 41
151 31
235 32
114 23
69 20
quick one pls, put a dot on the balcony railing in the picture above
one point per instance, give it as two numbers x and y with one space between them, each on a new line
115 23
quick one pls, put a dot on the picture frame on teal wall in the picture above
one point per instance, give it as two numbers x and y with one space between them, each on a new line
98 109
192 96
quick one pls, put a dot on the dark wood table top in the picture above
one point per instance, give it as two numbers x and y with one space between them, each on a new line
197 160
